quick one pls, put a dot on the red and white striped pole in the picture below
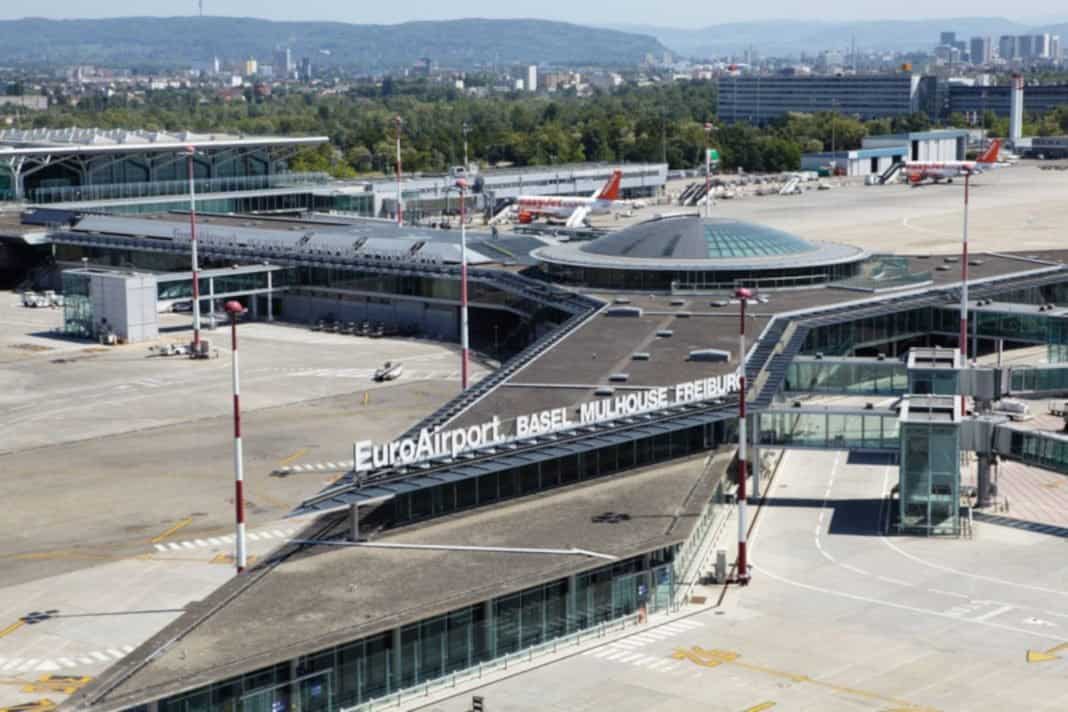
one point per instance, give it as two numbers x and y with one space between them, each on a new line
190 152
743 295
964 289
400 197
464 345
234 309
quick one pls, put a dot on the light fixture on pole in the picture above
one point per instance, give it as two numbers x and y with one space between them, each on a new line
742 576
190 170
400 197
464 345
964 289
708 169
235 309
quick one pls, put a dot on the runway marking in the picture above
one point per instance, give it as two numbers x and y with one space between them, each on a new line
181 524
716 658
760 708
995 613
99 656
289 460
13 664
899 606
12 628
1045 656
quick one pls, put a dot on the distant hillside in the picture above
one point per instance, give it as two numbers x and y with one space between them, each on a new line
185 41
791 37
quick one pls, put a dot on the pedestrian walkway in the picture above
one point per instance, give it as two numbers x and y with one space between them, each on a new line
10 666
219 541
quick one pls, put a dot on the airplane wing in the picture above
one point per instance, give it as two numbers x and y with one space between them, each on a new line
578 217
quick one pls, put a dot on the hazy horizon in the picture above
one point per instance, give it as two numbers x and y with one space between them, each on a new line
599 12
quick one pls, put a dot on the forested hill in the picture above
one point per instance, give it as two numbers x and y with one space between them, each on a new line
185 41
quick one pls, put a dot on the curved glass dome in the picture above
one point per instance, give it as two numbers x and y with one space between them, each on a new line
730 238
690 237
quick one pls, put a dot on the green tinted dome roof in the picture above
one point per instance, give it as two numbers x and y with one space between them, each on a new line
730 238
691 237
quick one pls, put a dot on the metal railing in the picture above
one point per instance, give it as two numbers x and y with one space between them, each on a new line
157 188
406 698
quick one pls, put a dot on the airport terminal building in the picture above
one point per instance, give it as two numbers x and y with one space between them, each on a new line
415 570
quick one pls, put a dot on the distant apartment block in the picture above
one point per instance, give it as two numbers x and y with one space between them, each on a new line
982 50
38 102
760 99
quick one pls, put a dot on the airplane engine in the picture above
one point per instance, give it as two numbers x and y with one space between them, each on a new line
525 218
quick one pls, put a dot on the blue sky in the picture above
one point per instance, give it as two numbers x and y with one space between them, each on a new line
681 13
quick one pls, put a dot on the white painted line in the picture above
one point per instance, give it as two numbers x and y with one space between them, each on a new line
659 665
47 666
128 649
332 465
644 637
629 656
614 656
188 545
265 535
648 662
85 661
100 656
28 664
160 547
320 466
66 662
253 536
229 538
604 651
200 542
291 531
591 651
12 664
995 613
215 541
115 653
173 547
278 533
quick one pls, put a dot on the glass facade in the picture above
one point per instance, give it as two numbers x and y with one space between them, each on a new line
348 675
834 430
1039 379
224 284
937 381
929 478
77 306
1045 450
556 469
873 377
665 280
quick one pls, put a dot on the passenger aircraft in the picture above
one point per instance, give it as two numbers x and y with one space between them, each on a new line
573 210
918 171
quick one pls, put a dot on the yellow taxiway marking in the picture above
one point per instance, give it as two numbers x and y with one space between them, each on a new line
1041 656
38 706
229 559
182 524
715 658
761 707
294 457
66 684
12 628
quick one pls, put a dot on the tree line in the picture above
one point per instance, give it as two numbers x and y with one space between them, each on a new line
660 122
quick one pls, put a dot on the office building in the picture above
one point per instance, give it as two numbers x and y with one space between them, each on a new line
759 99
1007 47
532 77
982 50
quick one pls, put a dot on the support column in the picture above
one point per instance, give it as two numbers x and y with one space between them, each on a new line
982 499
394 681
1001 350
211 302
489 630
570 605
270 297
354 521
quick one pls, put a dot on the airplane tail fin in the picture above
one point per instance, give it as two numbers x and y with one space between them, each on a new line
610 191
991 155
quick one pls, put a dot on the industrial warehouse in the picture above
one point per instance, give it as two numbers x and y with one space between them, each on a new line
585 479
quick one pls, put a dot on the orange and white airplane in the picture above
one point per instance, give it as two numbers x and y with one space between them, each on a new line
918 171
573 210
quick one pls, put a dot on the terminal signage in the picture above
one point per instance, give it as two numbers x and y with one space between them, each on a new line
430 444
